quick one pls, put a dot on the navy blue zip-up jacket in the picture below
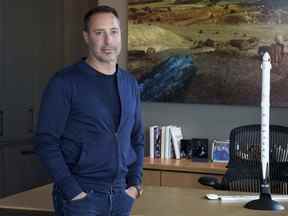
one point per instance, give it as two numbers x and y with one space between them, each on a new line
75 139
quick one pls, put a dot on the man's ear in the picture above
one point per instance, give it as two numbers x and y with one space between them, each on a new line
85 36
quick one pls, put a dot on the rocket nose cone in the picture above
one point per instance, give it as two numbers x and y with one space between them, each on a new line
266 56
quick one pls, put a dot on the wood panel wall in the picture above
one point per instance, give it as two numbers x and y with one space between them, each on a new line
37 38
1 52
74 11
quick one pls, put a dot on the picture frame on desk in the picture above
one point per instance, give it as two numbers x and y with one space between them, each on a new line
199 149
220 151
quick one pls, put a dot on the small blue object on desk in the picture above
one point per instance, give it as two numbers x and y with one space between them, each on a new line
220 151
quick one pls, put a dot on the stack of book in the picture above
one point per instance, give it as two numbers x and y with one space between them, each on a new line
165 141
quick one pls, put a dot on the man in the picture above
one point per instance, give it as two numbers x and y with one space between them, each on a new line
90 133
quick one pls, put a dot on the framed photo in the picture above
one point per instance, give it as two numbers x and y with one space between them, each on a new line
199 149
220 151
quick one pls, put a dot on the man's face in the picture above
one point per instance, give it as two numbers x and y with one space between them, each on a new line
104 37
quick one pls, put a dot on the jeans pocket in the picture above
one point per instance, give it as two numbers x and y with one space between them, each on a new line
130 197
87 197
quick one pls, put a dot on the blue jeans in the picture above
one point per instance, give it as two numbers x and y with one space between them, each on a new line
112 203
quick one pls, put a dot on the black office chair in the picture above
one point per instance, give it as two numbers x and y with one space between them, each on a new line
244 166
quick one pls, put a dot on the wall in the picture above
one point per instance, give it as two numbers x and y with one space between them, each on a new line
209 121
74 11
37 38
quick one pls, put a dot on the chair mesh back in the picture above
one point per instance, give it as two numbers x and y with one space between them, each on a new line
244 167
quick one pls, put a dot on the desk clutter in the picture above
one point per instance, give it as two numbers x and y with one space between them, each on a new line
167 142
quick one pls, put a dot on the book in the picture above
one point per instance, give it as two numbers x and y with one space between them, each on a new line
152 140
164 141
157 142
167 143
163 130
176 136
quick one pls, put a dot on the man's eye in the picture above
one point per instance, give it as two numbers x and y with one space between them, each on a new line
115 32
98 33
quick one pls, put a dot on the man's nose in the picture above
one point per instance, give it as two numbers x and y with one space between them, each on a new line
108 39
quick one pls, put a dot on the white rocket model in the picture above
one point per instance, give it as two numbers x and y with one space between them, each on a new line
265 201
265 114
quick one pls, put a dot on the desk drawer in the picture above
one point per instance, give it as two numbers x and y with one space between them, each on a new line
151 177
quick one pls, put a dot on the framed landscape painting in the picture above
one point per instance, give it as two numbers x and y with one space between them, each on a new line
208 51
